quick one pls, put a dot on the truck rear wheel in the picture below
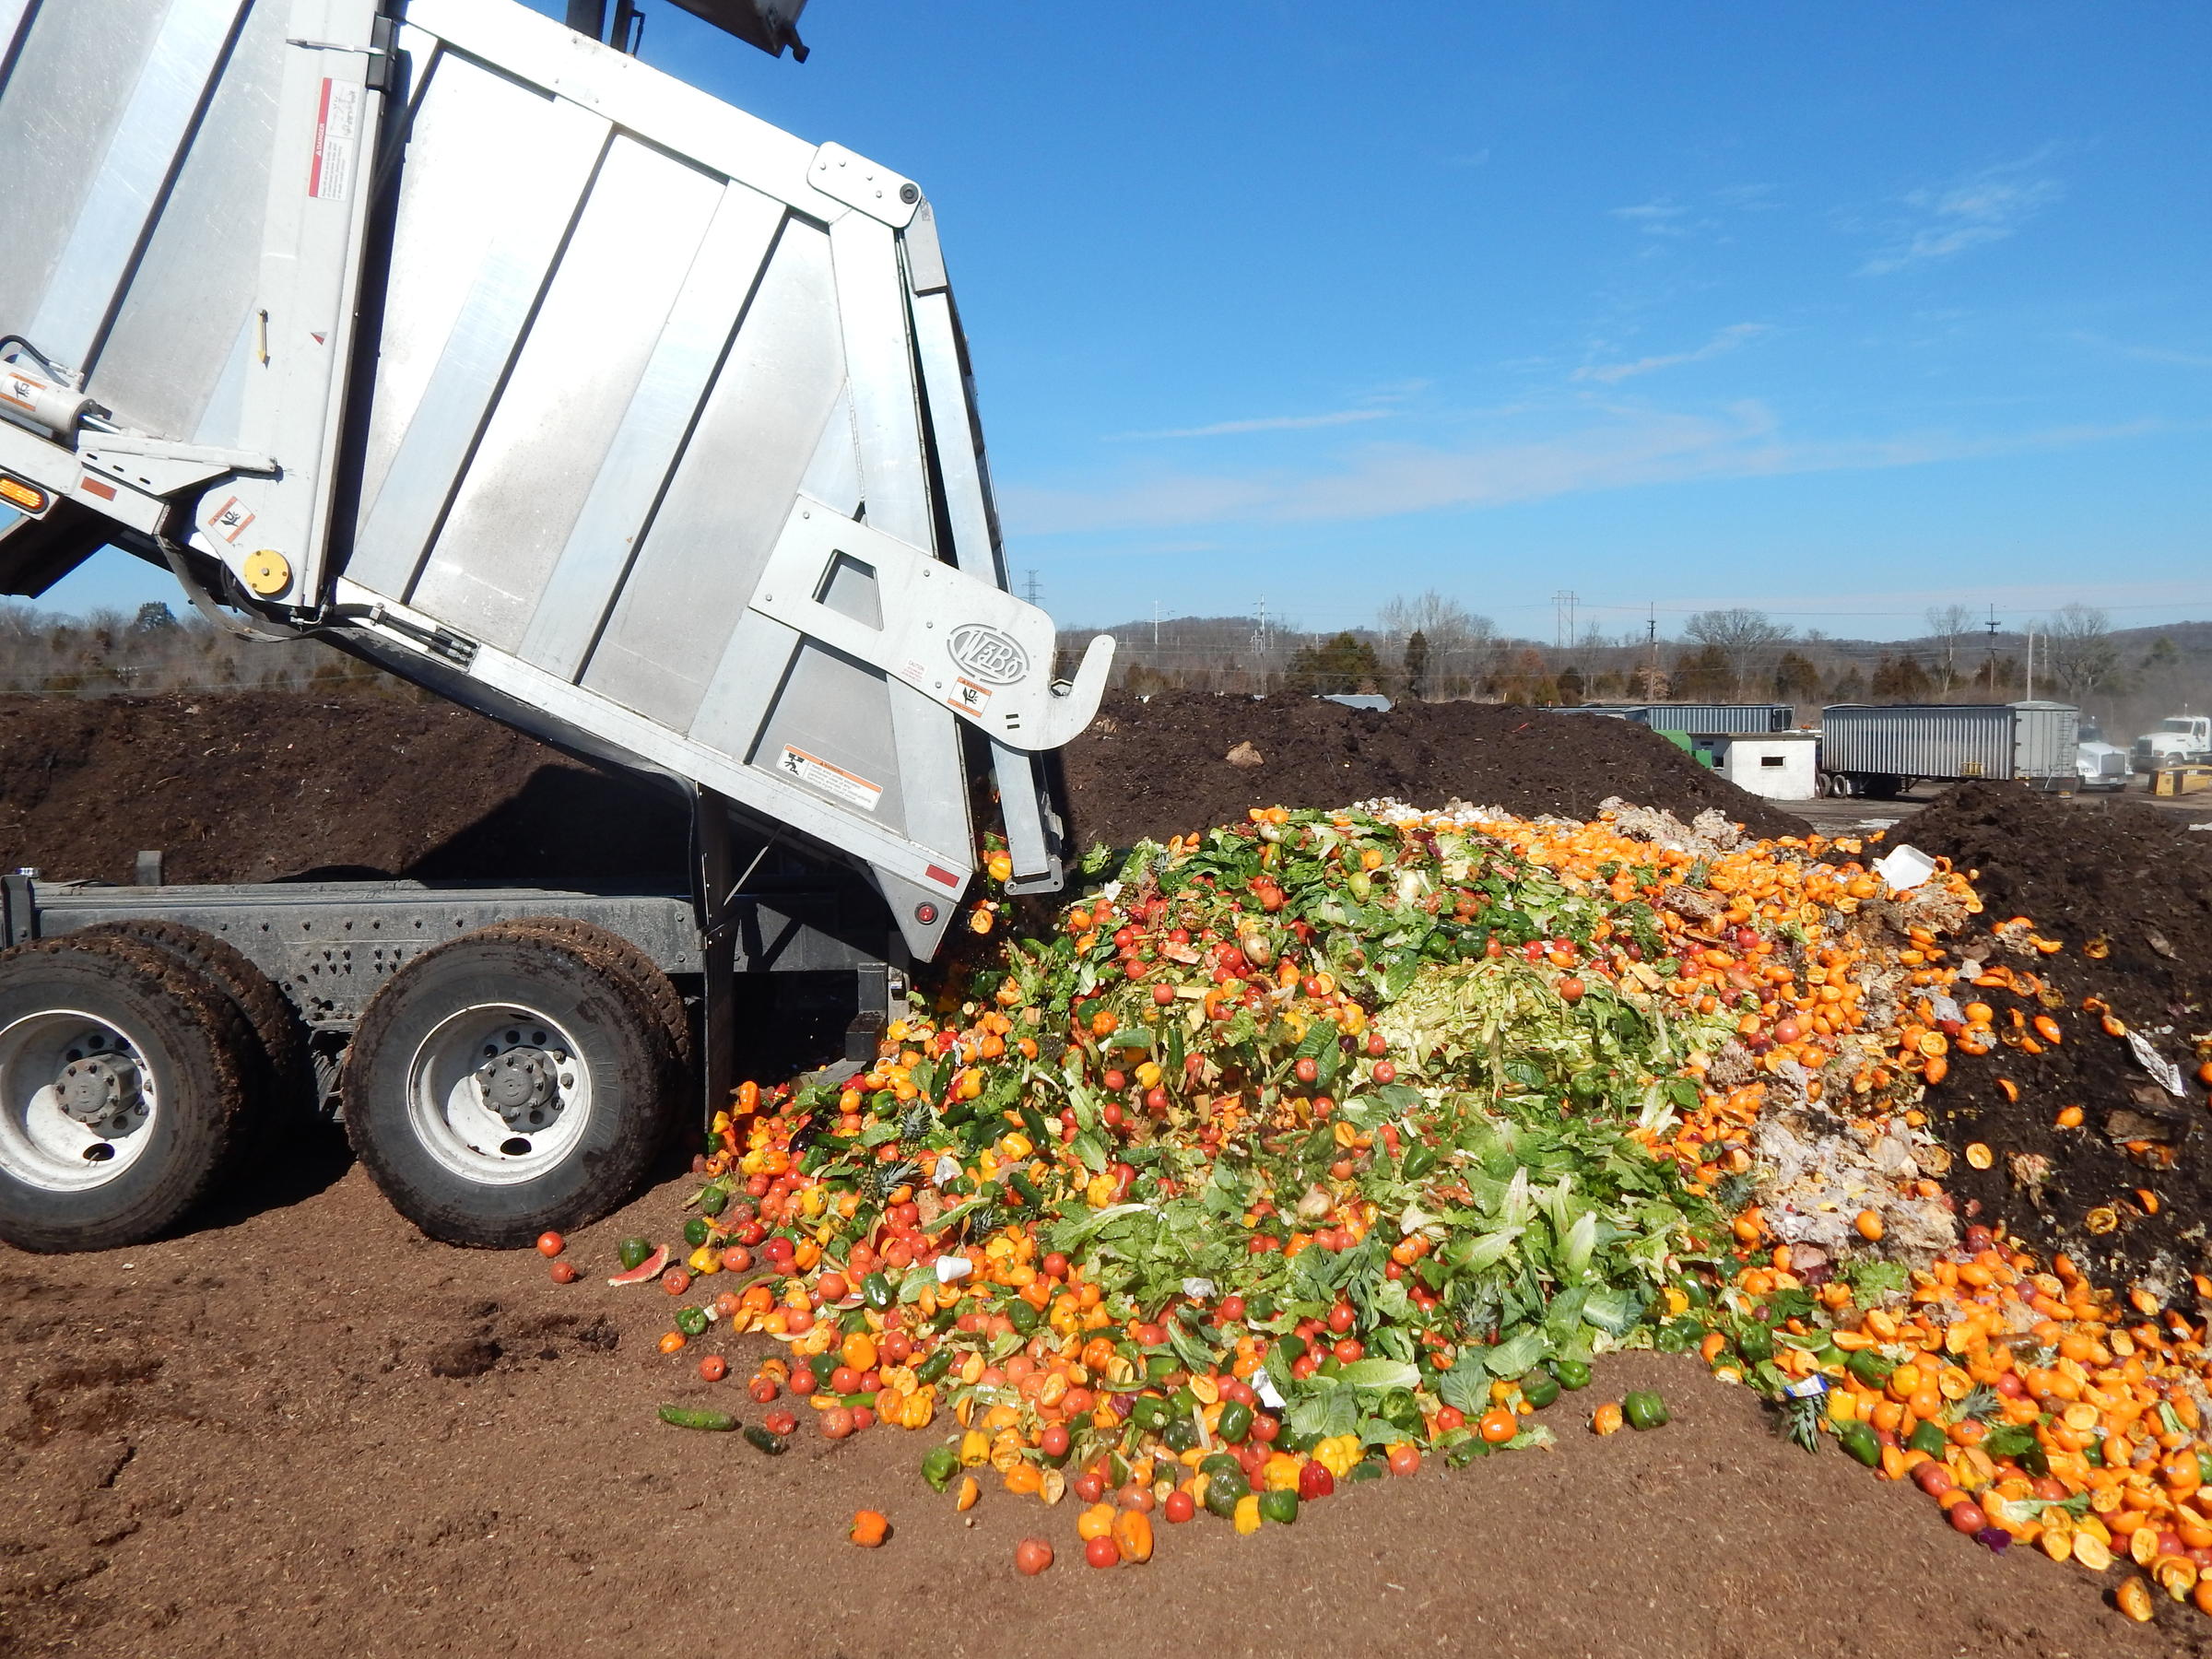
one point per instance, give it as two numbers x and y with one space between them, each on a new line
509 1081
281 1084
122 1081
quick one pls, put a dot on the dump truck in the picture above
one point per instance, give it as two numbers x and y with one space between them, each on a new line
466 343
1883 750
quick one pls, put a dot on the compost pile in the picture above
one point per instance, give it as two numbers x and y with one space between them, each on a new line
1184 761
259 786
1326 1146
2095 1136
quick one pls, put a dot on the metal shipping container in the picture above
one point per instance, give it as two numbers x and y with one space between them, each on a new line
2025 740
1701 718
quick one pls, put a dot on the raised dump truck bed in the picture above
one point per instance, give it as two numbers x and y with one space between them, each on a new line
476 348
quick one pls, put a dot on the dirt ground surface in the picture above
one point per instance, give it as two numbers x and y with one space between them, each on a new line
1161 767
2127 888
302 1427
260 788
300 1423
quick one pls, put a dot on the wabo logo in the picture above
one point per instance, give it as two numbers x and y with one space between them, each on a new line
985 653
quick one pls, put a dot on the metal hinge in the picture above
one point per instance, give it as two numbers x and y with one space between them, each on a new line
378 51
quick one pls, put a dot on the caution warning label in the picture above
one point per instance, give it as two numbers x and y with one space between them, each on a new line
829 778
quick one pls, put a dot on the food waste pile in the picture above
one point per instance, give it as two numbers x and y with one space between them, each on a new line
1336 1147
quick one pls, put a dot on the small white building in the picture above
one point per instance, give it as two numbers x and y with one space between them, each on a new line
1782 766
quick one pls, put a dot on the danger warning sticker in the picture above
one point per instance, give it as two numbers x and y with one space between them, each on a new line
829 778
230 520
338 140
970 697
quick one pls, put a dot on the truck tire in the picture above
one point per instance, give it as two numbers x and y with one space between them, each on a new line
122 1075
506 1082
281 1084
618 954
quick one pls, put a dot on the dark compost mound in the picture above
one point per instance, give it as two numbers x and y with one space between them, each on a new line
2128 892
1160 767
260 786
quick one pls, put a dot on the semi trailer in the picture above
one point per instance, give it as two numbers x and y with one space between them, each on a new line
464 343
1882 750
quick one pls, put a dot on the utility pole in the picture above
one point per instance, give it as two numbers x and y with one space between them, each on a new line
2031 696
1156 628
1650 646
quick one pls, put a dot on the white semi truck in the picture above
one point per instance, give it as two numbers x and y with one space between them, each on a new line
2177 740
467 344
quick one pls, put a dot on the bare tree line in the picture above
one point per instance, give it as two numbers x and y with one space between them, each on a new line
1429 646
108 653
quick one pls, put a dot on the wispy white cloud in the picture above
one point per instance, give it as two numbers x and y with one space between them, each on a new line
1617 449
1660 218
1972 212
1725 341
2149 354
1264 423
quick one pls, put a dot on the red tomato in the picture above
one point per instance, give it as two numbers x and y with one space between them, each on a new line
764 1390
564 1273
1179 1508
832 1287
1968 1518
1305 1070
1386 1072
837 1423
803 1380
1054 1444
1449 1417
1135 1497
1376 1045
1031 1557
714 1368
1405 1460
551 1243
863 1418
896 1347
1341 1317
1265 1428
1348 1349
1089 1486
1103 1552
676 1281
1163 995
781 1422
738 1259
1115 1081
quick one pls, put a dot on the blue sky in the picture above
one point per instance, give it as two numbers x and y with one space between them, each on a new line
1838 312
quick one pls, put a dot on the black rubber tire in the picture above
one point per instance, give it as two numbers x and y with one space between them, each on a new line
618 954
280 1088
192 1037
636 1079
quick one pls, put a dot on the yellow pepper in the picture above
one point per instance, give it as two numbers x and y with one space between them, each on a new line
1281 1473
1338 1454
975 1449
1248 1515
704 1260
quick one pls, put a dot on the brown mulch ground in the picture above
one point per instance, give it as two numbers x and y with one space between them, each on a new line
2137 880
302 1424
253 787
305 1427
260 787
1160 767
